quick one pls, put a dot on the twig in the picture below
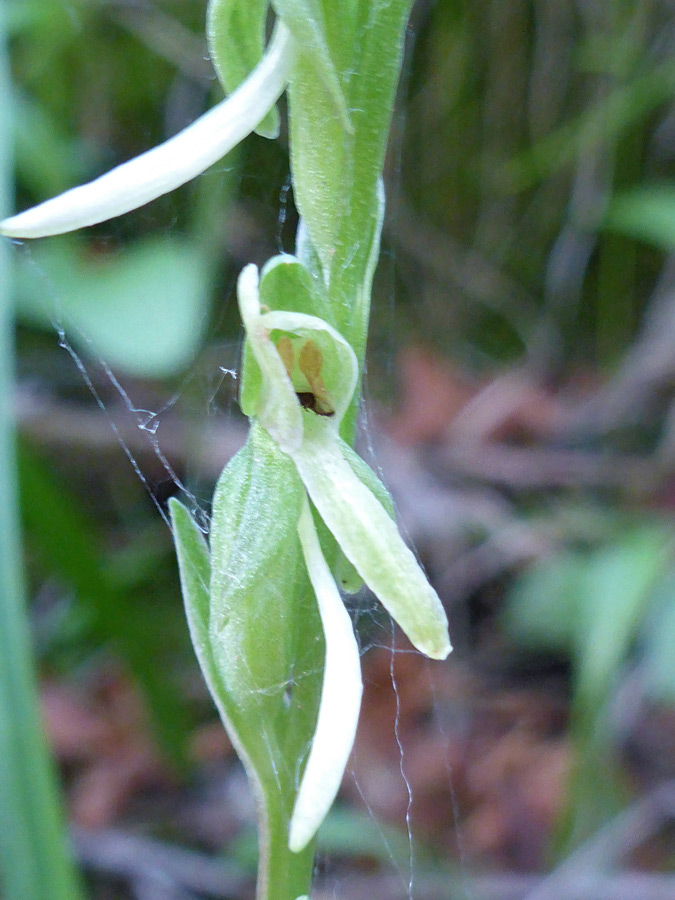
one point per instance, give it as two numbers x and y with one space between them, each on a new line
507 886
586 866
537 467
149 861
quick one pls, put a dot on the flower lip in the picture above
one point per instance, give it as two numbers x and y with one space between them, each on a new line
338 355
340 696
170 164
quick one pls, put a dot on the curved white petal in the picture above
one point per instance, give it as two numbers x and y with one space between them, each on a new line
170 164
340 697
279 410
370 540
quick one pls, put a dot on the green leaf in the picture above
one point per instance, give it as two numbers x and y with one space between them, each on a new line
616 589
195 575
34 859
143 311
543 603
258 639
48 160
658 643
646 213
235 30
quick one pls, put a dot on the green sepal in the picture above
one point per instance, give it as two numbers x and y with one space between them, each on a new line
235 31
284 284
371 480
345 572
369 538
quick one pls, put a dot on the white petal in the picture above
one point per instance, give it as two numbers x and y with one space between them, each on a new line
340 697
370 540
170 164
279 409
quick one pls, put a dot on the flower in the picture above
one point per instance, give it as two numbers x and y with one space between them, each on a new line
170 164
300 376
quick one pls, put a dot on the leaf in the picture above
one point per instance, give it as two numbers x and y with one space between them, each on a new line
258 641
235 30
48 160
543 603
34 856
658 643
616 588
143 311
646 213
195 574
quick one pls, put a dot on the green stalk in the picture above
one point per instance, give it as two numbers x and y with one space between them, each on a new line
34 863
287 875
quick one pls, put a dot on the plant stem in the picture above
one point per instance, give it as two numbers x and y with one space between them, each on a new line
288 875
34 863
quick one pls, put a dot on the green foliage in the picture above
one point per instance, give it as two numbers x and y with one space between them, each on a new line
646 213
143 311
34 862
335 171
591 606
658 640
115 609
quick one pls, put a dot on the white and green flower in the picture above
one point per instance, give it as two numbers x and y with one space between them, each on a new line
300 378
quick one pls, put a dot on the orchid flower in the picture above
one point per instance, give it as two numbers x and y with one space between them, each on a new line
172 163
299 380
300 375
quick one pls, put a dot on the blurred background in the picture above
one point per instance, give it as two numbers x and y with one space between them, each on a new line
519 388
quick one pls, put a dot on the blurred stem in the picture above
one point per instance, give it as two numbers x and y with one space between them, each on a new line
615 298
34 864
